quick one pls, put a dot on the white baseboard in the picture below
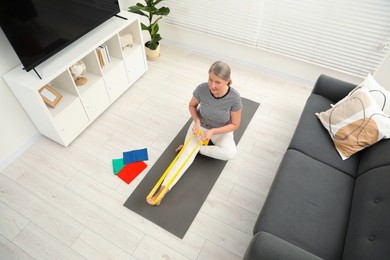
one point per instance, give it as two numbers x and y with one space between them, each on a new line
12 156
230 58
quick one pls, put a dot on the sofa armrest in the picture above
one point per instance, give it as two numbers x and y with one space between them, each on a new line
266 246
332 88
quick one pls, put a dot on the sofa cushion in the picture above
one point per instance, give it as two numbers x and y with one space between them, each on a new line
312 139
267 246
355 122
308 205
368 235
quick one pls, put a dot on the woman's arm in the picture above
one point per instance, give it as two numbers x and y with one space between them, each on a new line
235 120
193 107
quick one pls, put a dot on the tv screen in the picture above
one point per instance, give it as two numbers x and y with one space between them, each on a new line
38 29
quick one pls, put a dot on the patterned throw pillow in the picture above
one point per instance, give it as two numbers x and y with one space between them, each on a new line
355 122
378 93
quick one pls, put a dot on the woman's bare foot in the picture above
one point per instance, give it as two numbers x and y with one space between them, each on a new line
152 200
179 148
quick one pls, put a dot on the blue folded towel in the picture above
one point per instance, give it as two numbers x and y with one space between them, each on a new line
135 156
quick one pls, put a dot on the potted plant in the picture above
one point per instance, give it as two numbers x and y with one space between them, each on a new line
154 15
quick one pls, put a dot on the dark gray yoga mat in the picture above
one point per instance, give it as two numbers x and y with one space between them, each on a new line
180 206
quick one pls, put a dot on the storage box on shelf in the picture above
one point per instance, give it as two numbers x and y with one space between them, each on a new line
106 79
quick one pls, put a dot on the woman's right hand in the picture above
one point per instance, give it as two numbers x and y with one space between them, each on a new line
196 127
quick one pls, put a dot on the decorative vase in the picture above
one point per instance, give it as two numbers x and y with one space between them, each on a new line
78 70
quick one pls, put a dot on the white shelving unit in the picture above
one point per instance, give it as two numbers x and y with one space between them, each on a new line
81 105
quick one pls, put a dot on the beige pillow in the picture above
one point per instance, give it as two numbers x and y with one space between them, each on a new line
355 122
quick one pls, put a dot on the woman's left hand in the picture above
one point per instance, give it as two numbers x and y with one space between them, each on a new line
207 135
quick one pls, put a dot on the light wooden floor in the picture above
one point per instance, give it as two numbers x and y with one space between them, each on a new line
65 203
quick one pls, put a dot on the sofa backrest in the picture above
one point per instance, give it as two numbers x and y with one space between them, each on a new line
368 233
375 156
310 137
332 88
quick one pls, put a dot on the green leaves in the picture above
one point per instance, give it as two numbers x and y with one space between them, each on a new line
150 11
136 10
163 11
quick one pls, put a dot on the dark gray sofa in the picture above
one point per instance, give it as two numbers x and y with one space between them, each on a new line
319 206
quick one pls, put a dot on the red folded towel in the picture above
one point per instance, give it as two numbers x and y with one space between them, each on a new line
131 170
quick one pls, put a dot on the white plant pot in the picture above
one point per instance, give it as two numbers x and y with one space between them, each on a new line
153 54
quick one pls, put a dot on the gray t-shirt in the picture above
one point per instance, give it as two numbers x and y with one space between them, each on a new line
213 111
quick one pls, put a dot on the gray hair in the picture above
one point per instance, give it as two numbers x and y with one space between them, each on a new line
221 70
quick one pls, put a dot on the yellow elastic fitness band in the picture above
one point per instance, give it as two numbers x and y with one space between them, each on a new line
158 199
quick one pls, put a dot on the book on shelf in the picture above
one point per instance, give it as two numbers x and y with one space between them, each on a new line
106 52
103 55
100 57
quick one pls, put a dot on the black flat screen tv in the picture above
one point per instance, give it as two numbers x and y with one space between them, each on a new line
38 29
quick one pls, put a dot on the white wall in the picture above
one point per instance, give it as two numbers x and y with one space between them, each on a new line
16 129
383 73
124 4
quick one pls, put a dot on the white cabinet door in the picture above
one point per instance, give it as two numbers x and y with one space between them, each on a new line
71 122
116 81
95 100
135 65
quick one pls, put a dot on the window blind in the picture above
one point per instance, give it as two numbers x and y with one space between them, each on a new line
346 35
235 20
